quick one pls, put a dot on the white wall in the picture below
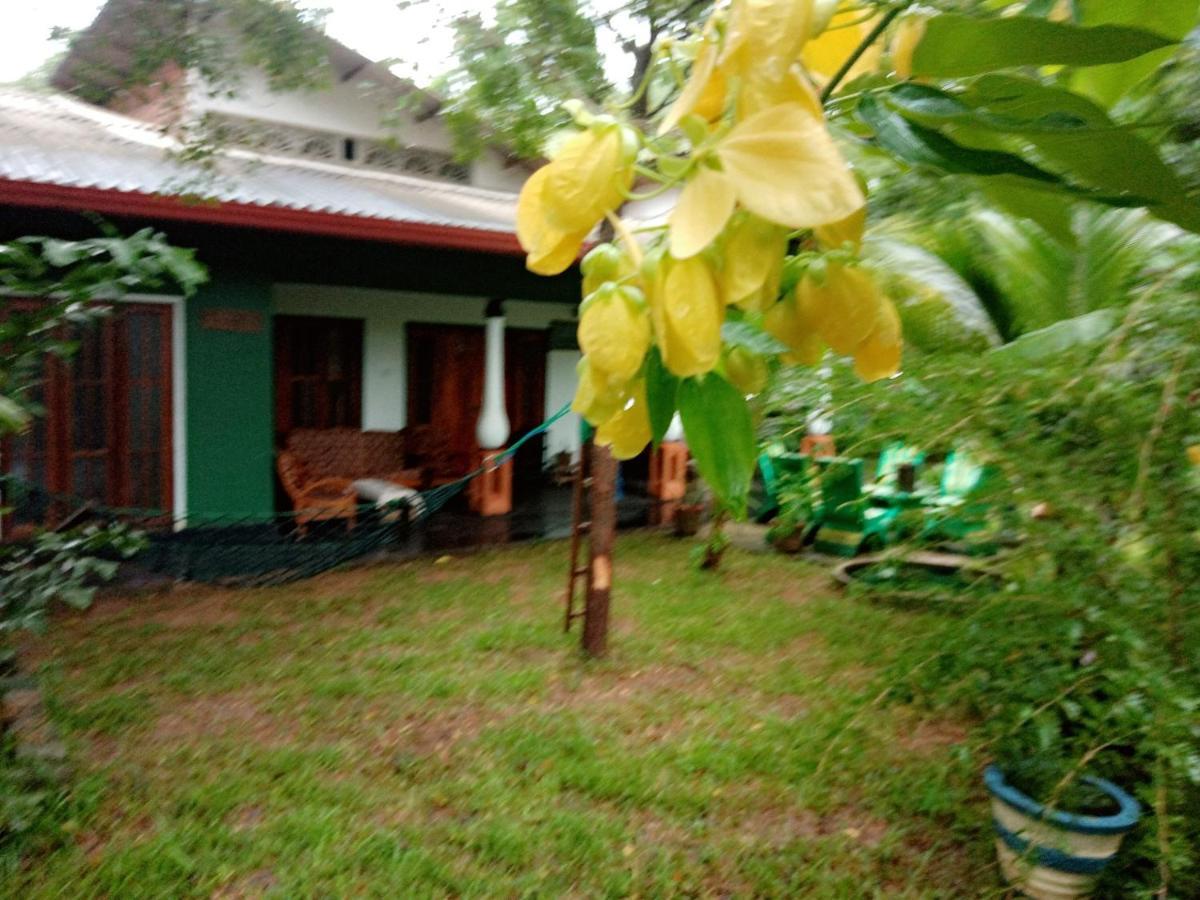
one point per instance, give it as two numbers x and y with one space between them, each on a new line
560 389
385 363
345 107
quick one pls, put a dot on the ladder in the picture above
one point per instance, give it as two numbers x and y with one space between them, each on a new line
581 527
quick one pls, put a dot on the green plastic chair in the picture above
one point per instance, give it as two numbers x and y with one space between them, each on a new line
847 522
956 512
895 455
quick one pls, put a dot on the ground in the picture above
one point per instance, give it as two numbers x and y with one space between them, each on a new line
426 729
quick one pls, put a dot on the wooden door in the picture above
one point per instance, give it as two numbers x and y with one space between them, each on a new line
106 435
318 373
445 385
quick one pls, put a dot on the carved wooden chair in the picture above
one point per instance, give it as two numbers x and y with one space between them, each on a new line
315 499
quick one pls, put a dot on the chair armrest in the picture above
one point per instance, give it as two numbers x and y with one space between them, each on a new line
330 482
409 478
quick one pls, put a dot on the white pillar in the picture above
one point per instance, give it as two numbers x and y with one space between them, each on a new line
492 429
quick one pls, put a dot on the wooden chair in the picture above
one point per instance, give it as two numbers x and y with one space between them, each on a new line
315 499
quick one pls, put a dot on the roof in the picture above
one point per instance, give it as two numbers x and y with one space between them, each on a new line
56 151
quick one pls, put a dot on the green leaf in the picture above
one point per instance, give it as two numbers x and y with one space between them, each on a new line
662 390
748 334
957 45
720 436
1101 155
1029 200
12 415
920 146
1046 343
1170 18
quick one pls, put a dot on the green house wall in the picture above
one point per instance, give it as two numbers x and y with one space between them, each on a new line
229 399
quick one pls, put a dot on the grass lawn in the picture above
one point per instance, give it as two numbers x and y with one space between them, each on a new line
426 729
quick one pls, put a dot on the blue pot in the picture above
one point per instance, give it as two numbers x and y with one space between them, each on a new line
1054 855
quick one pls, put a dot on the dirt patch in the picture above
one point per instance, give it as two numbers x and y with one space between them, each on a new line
256 884
235 714
246 819
779 826
606 687
417 738
929 736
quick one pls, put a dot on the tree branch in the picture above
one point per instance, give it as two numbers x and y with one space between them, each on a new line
872 37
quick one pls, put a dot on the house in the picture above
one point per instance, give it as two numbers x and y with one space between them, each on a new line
352 268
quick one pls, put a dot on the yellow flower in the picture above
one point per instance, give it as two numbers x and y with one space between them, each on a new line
595 399
549 250
847 231
704 93
704 206
843 307
746 370
766 35
904 42
614 332
790 323
824 55
753 253
686 309
589 176
878 356
760 92
627 432
785 167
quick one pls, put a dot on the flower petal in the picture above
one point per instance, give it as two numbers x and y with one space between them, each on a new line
628 432
695 89
554 258
825 54
753 249
786 168
845 231
844 309
586 179
704 207
878 356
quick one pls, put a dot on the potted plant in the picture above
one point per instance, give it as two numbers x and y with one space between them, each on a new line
690 514
1055 847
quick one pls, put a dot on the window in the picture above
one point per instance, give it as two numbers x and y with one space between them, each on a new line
106 433
318 373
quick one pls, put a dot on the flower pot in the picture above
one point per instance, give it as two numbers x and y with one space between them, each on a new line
792 542
688 518
1050 854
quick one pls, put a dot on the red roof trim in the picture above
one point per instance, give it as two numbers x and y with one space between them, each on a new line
249 215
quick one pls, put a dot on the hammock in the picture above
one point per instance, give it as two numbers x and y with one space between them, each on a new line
254 550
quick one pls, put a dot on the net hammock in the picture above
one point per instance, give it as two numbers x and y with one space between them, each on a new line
254 550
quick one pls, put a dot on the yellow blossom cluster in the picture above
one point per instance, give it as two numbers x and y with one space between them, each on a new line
746 147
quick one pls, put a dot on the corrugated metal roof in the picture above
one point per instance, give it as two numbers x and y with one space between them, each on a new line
49 138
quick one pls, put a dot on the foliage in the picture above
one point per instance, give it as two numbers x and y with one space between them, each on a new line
280 39
766 222
62 567
996 275
71 276
1087 660
73 281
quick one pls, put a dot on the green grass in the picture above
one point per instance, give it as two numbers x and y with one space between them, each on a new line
426 729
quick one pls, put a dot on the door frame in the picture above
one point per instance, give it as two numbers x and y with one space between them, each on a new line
179 506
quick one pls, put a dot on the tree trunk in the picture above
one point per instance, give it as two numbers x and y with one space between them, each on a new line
604 529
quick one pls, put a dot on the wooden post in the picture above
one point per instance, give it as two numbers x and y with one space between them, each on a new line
604 529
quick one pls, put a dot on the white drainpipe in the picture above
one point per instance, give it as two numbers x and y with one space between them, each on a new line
492 429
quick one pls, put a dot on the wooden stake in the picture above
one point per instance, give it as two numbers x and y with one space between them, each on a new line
604 529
